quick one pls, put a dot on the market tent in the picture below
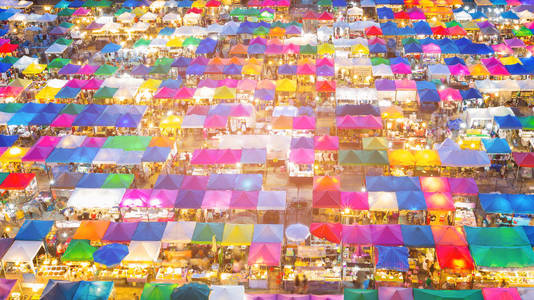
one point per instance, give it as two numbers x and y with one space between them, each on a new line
394 293
143 251
392 183
439 201
268 233
22 251
357 294
267 254
237 234
456 258
206 233
411 200
93 230
5 244
227 292
110 254
423 294
417 236
157 291
496 236
78 250
502 257
34 230
178 232
392 258
357 234
386 235
500 293
97 290
448 235
120 231
168 181
524 159
149 231
6 286
463 186
382 201
95 198
328 231
191 291
272 200
59 290
326 199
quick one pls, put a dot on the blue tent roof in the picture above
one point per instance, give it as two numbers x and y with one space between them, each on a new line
378 48
166 31
256 49
83 155
529 231
34 230
189 199
140 70
389 28
172 83
508 122
248 182
128 120
253 156
496 145
4 67
110 48
68 92
43 119
264 94
232 69
517 69
195 69
413 48
92 180
425 85
392 258
185 3
181 62
509 15
507 203
454 124
32 107
287 69
88 116
471 93
406 31
339 3
385 13
59 290
478 15
149 231
8 140
53 108
428 95
169 181
156 154
111 254
21 118
417 236
422 28
451 61
221 182
60 155
392 183
76 3
94 290
447 46
206 46
107 119
411 200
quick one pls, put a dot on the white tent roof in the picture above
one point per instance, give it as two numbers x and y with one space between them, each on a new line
500 111
148 17
204 93
288 111
139 26
193 121
143 251
71 141
108 156
526 85
126 17
507 85
22 251
104 20
382 70
190 30
56 83
477 114
272 200
170 17
462 16
486 86
383 201
178 232
355 11
158 42
157 4
56 48
439 69
227 292
95 198
25 61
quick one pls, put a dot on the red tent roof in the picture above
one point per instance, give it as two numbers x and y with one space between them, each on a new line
401 15
440 30
17 181
454 258
328 231
326 199
325 16
524 159
373 30
326 86
309 15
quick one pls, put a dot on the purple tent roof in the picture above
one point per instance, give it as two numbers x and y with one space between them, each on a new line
6 285
356 234
4 246
463 186
88 70
385 85
387 235
394 293
325 70
190 199
38 153
120 232
191 182
261 296
69 69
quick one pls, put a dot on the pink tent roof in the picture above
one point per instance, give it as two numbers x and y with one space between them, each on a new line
459 70
228 82
450 94
515 43
355 200
185 93
204 156
416 14
63 120
194 182
208 82
291 49
376 40
394 293
93 84
439 201
456 30
514 3
405 84
82 11
87 70
247 84
497 70
401 69
163 198
529 25
360 122
166 93
502 48
434 184
10 91
326 297
198 110
326 142
267 254
306 69
304 123
431 48
266 84
228 156
325 61
38 153
302 156
135 198
215 121
241 110
244 199
463 186
356 234
48 141
283 3
94 142
217 199
326 199
500 294
76 83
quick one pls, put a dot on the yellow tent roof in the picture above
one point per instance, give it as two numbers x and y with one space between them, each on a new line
138 11
198 4
224 92
13 154
171 121
469 25
255 61
326 49
427 158
175 42
34 68
277 31
392 112
375 143
47 93
237 234
251 69
359 49
510 60
401 157
150 84
478 70
23 83
470 144
286 85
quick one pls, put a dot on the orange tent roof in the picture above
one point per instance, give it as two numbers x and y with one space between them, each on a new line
216 61
161 141
282 122
236 60
326 183
401 157
478 70
448 235
427 158
91 230
277 31
238 49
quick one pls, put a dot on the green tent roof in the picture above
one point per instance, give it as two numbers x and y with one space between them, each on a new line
160 69
363 157
58 63
324 3
122 10
496 236
357 294
190 41
261 30
141 42
67 12
72 109
11 107
423 294
157 291
349 157
10 59
375 61
105 93
308 49
106 70
66 25
527 122
204 233
128 142
63 41
62 4
118 181
502 257
79 250
523 31
375 143
278 24
452 24
236 12
410 40
164 61
251 12
94 3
